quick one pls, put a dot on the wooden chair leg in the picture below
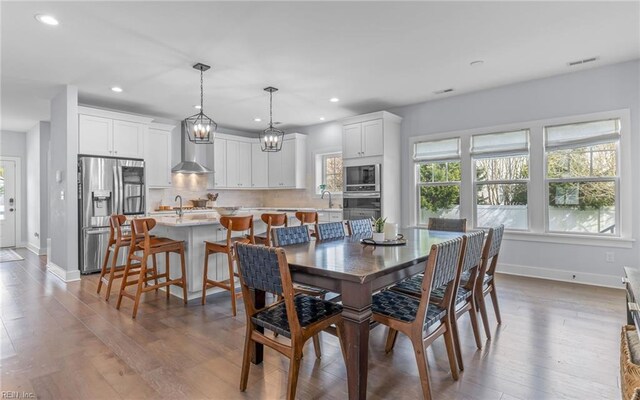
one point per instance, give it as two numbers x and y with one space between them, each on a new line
451 350
155 271
103 270
141 279
246 359
183 277
494 300
456 341
112 273
423 368
473 315
316 345
482 307
205 276
391 340
294 368
123 283
232 284
340 332
167 273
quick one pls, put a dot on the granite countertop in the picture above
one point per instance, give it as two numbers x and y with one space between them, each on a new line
247 209
195 219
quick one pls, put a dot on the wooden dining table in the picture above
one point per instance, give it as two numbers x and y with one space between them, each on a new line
356 271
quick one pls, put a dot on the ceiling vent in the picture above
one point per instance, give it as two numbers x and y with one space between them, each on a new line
580 62
443 91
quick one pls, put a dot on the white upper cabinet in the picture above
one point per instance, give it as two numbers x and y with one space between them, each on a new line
259 167
220 163
108 133
287 167
158 156
238 164
363 139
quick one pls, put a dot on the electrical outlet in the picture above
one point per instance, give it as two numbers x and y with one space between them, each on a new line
609 257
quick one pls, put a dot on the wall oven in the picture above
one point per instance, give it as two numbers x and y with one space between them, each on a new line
361 194
362 178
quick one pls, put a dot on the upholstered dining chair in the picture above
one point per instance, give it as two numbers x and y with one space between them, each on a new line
463 302
330 231
297 316
359 227
448 224
423 322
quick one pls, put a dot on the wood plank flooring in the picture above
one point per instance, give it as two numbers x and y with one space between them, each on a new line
557 340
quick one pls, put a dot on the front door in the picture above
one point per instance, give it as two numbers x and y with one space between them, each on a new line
7 203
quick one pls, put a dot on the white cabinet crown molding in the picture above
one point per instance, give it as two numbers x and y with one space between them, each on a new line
386 115
122 116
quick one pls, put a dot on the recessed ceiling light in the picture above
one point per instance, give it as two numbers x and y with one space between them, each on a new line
443 91
197 106
321 118
47 19
476 63
116 89
334 99
257 119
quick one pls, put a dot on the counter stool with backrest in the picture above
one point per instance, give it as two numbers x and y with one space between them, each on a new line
420 320
297 316
308 218
232 224
273 220
150 246
485 281
448 224
117 240
360 227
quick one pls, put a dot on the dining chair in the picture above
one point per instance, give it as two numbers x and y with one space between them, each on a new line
330 231
117 240
463 302
273 220
423 322
448 224
150 246
359 227
296 316
485 281
231 224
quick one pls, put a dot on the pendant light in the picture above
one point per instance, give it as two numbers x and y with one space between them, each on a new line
200 128
271 138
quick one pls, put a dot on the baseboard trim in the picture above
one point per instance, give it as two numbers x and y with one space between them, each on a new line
36 250
61 273
585 278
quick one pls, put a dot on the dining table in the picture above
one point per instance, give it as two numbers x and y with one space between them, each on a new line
357 270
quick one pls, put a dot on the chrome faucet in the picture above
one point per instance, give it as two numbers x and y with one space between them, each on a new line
179 210
330 199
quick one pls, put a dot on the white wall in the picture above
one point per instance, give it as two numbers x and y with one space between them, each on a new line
13 144
594 90
36 186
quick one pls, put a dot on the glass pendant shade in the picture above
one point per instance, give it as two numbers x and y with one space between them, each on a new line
200 129
271 138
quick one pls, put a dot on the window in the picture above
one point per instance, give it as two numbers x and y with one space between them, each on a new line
329 166
582 177
501 179
438 176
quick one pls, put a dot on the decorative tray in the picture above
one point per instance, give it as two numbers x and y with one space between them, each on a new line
394 242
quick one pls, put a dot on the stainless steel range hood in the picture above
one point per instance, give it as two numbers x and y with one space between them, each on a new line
190 154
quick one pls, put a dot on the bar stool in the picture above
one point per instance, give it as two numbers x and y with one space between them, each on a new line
141 240
232 224
273 220
308 218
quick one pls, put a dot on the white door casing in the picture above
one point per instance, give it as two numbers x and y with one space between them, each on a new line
8 203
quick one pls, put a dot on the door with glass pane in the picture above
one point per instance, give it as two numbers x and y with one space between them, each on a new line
7 203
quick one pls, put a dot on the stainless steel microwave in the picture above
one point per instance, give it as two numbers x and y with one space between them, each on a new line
362 178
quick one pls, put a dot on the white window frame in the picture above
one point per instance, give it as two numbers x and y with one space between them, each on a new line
537 195
419 184
321 172
616 180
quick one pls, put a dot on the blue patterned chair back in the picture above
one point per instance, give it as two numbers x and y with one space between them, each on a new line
258 267
473 250
496 241
447 260
360 227
290 235
330 230
448 224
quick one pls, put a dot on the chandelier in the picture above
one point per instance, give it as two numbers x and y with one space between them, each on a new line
271 138
200 129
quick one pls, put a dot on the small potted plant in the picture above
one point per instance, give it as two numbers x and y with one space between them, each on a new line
378 229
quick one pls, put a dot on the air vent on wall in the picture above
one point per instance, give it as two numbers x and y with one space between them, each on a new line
443 91
580 62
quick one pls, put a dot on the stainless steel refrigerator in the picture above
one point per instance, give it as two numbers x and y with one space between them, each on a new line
105 186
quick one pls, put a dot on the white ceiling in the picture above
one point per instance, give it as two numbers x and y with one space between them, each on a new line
372 55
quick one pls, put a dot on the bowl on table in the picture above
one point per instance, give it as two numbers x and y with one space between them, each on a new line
227 211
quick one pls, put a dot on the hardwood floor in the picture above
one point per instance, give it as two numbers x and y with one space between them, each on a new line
557 340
